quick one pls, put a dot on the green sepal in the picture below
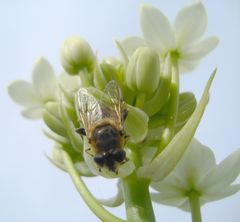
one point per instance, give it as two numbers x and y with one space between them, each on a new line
186 106
136 124
52 119
74 138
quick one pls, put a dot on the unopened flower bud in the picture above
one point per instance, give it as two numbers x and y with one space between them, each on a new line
77 55
143 71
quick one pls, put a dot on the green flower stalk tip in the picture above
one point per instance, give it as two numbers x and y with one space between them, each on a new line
77 55
143 71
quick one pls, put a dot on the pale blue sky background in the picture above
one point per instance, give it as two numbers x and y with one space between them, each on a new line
31 189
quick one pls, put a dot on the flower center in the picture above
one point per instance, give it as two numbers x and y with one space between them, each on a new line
175 55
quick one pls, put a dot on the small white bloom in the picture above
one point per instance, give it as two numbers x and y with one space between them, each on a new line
183 39
198 172
34 95
167 160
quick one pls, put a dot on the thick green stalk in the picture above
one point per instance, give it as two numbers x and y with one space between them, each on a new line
137 199
195 207
92 203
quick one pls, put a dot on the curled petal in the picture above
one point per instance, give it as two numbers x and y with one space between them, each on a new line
156 29
44 80
190 24
23 93
200 49
165 162
115 201
130 44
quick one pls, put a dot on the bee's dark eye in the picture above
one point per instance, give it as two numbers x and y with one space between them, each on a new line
119 155
99 159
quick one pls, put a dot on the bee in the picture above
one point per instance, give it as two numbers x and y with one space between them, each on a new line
102 122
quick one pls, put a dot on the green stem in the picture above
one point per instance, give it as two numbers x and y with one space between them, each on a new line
85 78
137 199
92 203
172 107
195 207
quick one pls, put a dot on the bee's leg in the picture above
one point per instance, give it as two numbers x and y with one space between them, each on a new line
123 133
88 151
81 131
125 114
124 161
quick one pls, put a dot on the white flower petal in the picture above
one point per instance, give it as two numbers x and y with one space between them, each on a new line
167 160
83 169
156 29
199 49
196 163
23 93
115 201
223 174
190 24
44 79
130 44
69 83
173 183
208 197
33 112
186 66
170 199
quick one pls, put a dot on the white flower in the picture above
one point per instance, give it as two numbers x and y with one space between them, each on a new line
183 39
197 172
34 95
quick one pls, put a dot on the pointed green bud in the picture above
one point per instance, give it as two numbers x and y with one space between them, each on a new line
143 71
77 55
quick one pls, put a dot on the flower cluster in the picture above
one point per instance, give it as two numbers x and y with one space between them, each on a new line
159 121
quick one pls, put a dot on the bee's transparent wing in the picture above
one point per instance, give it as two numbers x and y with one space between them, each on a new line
88 108
113 104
